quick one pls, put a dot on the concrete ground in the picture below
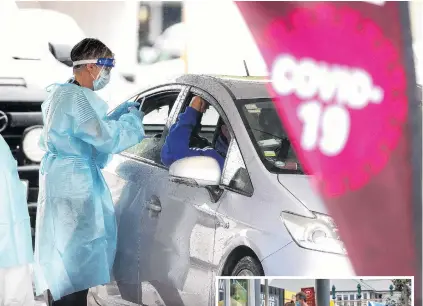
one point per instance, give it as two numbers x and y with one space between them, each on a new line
39 301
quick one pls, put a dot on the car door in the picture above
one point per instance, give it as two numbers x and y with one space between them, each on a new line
184 241
132 177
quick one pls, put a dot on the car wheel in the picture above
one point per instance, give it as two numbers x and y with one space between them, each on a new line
248 266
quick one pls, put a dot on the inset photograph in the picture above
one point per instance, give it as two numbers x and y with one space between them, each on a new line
377 291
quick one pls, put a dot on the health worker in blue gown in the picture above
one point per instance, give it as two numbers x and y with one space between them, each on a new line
76 228
16 255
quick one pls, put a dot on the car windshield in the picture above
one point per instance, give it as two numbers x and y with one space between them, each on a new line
268 135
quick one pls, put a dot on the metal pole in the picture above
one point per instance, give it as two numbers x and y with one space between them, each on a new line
227 297
251 292
266 292
322 292
415 132
281 297
257 291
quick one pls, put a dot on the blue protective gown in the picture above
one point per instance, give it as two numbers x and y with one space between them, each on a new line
15 228
176 145
76 227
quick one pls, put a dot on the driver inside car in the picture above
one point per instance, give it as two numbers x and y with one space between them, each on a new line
178 143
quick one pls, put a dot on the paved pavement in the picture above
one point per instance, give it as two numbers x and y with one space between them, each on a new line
39 301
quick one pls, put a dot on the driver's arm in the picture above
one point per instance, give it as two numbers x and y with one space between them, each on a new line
176 145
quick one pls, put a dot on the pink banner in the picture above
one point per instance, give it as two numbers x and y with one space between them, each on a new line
342 88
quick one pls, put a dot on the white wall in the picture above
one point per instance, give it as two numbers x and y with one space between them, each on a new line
7 9
416 12
113 22
219 40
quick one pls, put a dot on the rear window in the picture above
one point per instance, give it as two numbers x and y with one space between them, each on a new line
268 135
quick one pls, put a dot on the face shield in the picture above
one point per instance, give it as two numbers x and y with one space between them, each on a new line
105 63
104 80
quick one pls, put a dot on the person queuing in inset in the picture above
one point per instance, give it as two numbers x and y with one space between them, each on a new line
300 299
76 227
16 253
177 144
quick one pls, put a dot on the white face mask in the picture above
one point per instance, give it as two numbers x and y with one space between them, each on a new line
102 80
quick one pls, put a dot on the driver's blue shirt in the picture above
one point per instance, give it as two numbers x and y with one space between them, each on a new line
177 142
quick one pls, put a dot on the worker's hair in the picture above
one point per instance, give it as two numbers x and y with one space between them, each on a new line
89 48
301 295
291 303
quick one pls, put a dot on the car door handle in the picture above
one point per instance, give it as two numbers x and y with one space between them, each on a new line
154 205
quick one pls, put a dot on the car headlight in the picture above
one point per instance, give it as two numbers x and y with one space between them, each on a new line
319 233
30 145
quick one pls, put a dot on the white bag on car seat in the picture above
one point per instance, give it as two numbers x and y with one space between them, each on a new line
16 286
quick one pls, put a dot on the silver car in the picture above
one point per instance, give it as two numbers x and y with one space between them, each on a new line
180 227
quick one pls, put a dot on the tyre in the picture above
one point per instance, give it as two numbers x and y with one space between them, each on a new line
247 266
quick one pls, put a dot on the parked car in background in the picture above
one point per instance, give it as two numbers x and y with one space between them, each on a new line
180 227
20 126
27 67
51 26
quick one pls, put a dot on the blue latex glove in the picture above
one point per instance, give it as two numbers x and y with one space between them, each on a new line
122 109
135 111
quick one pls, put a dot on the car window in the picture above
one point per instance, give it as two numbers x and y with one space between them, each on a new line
210 118
154 122
235 175
209 124
157 117
268 135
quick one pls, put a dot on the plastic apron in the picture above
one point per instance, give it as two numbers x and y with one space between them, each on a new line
76 228
15 234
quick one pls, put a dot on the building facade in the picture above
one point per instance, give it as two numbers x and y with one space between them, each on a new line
344 292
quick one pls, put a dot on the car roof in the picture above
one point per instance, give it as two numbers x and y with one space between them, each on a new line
246 87
239 87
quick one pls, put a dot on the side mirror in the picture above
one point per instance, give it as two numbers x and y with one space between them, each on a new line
61 53
197 171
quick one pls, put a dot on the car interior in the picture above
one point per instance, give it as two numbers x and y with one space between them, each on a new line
207 129
271 137
157 109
